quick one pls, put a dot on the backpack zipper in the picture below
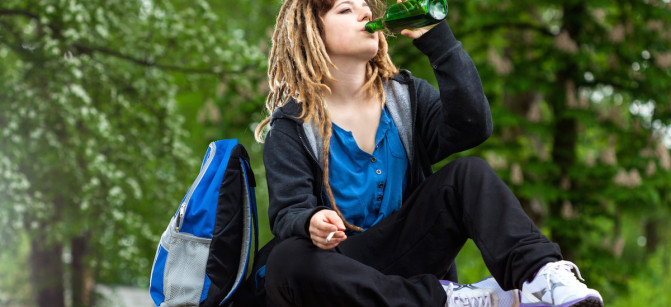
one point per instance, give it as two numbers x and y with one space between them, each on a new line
183 205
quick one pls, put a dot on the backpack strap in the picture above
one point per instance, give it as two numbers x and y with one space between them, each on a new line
252 202
250 224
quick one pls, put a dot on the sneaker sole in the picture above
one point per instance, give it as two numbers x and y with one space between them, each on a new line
589 301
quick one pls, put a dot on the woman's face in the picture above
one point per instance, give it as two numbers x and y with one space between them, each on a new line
344 33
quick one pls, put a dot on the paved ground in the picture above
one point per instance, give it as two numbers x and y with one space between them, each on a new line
122 296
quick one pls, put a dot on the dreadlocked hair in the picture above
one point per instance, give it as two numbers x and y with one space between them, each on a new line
298 68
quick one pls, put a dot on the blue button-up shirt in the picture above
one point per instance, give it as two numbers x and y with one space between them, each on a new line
368 187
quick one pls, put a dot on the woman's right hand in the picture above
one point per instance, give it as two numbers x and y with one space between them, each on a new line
322 224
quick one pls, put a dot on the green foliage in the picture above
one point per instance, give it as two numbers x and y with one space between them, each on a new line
471 268
13 291
92 142
579 98
649 287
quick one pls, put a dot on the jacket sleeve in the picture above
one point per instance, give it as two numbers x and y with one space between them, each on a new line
290 184
458 117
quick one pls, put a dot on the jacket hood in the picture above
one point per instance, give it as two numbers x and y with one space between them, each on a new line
291 110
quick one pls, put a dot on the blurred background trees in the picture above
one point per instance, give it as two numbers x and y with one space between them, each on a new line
106 108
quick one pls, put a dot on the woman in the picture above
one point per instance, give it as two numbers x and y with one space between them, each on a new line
362 219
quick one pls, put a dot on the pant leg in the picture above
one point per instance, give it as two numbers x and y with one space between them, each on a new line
512 246
300 274
465 199
396 261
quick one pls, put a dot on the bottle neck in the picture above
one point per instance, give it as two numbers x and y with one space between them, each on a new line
374 25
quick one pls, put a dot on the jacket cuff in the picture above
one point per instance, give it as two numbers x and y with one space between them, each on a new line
437 42
308 217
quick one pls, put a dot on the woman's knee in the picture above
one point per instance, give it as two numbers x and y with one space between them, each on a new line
472 162
282 257
470 166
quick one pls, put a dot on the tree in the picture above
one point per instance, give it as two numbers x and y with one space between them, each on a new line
92 149
579 95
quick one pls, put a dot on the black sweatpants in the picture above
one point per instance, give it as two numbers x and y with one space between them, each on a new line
395 262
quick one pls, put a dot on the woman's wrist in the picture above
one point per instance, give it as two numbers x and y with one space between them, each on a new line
437 42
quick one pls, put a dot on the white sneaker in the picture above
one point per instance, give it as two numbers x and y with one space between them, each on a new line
506 298
556 285
484 293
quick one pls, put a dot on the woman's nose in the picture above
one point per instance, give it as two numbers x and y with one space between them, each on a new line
365 14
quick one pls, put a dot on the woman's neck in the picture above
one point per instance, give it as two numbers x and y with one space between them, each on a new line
350 76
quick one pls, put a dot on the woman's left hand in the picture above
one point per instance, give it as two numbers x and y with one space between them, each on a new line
415 33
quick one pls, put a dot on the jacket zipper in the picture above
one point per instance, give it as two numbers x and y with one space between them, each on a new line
310 153
412 91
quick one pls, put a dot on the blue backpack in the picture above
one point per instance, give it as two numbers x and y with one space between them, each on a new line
203 255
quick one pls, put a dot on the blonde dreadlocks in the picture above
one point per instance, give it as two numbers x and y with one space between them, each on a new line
298 67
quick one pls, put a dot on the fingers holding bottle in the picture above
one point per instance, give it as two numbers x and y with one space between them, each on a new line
415 33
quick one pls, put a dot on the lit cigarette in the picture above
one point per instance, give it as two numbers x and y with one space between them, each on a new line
330 236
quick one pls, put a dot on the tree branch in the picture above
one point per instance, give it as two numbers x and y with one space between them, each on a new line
13 45
509 25
89 49
9 12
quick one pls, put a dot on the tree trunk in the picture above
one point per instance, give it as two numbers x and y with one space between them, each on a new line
520 104
565 129
565 137
46 274
563 155
651 235
82 280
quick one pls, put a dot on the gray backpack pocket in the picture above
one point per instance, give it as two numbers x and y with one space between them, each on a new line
184 273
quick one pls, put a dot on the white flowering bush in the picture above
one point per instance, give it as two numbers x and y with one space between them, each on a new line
92 148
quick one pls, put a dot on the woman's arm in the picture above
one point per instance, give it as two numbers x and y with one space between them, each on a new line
290 180
458 117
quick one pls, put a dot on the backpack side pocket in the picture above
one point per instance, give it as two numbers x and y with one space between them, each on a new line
184 282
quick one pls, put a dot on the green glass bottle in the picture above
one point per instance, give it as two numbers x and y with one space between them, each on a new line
409 15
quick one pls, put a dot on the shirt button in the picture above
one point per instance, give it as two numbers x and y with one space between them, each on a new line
379 197
380 185
372 159
378 172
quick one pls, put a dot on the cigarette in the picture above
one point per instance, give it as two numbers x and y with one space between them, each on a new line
328 238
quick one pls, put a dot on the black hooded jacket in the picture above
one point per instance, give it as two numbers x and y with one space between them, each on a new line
432 125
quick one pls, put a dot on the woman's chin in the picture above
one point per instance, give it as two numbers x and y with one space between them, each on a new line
370 54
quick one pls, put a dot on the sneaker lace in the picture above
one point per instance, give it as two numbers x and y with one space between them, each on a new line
562 271
467 299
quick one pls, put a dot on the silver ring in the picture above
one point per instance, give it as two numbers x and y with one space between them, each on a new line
328 238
